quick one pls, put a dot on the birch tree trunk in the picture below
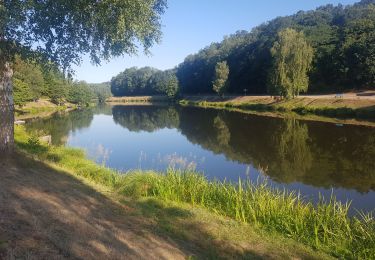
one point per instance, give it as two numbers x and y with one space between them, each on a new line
6 110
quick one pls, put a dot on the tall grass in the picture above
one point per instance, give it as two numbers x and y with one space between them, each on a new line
325 226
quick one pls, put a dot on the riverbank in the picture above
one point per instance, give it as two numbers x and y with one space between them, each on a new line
41 108
265 211
343 107
137 99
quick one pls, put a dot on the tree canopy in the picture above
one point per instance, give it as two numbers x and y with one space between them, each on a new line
342 38
60 31
221 77
292 60
145 81
31 82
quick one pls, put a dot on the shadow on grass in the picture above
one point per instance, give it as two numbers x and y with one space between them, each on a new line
180 226
46 213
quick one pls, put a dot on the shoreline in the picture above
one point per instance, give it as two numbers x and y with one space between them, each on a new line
40 109
301 108
189 187
321 108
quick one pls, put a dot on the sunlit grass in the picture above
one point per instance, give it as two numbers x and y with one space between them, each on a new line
325 226
289 106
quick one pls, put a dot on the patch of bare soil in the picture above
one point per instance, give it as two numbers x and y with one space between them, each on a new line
46 214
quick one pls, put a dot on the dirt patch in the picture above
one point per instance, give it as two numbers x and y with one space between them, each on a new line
46 214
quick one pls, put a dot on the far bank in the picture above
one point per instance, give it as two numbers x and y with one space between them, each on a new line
350 108
342 106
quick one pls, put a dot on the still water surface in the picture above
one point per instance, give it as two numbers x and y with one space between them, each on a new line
311 157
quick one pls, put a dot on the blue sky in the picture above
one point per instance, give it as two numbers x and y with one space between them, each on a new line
190 25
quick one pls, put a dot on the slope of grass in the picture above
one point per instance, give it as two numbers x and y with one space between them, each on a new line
325 226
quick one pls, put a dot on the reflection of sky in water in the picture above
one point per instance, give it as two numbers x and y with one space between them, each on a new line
117 147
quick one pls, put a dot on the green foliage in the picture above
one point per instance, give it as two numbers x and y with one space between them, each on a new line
145 81
55 86
33 142
79 93
31 82
325 226
31 75
221 77
359 49
292 60
133 82
342 39
101 91
63 30
21 92
165 83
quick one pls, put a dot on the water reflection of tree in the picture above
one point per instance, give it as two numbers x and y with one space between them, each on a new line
222 131
146 118
60 124
313 153
318 154
293 154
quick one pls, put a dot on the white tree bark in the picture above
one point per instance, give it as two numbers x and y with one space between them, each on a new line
6 110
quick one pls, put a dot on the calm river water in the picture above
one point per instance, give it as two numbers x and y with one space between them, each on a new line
311 157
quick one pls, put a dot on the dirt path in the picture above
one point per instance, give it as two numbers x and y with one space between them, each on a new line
46 214
363 95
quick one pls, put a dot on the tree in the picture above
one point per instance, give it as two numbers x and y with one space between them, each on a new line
61 31
79 93
359 50
164 83
292 60
21 92
101 91
171 86
221 77
55 86
30 74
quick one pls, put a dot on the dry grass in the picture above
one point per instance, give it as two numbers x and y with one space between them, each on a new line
41 108
137 99
351 101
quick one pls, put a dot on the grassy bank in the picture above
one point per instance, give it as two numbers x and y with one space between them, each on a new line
325 227
338 108
138 99
41 108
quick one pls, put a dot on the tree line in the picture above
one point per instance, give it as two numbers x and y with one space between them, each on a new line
330 49
32 81
145 81
342 55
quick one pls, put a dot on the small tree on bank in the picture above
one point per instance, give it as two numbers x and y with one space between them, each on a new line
292 61
221 77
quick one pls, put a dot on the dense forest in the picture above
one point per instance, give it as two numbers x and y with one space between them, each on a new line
145 81
342 39
32 81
